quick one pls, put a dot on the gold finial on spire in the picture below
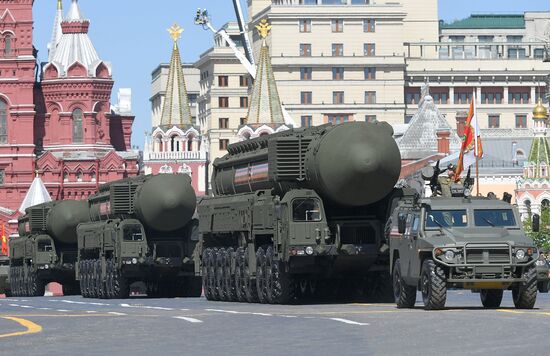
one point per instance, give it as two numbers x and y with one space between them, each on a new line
263 28
175 32
59 5
540 111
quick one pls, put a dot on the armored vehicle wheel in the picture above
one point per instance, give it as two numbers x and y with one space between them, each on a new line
491 298
80 279
121 288
434 285
220 259
261 280
205 277
525 294
24 282
91 279
109 279
280 289
86 278
101 292
405 295
14 281
71 289
251 290
240 285
212 274
228 280
36 286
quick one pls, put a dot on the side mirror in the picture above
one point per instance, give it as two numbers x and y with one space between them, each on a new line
401 223
536 223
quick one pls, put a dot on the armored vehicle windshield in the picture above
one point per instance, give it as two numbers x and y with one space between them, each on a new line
495 218
446 218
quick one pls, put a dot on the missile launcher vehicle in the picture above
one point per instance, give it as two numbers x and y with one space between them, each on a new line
142 229
299 209
46 248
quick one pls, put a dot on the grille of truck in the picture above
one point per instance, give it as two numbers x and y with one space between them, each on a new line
487 254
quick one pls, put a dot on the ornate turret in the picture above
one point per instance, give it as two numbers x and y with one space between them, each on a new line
265 114
175 111
56 32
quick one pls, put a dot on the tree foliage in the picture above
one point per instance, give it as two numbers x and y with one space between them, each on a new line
541 238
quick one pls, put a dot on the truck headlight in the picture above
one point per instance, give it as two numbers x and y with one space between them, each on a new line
520 254
449 255
309 250
134 261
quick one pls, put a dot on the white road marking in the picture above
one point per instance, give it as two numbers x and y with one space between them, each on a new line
288 316
348 321
77 302
117 313
91 311
124 305
191 320
62 310
262 314
226 311
26 306
13 305
44 308
184 309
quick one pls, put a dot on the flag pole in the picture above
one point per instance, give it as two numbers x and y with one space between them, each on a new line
476 148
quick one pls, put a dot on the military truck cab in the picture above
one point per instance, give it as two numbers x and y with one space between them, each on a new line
460 242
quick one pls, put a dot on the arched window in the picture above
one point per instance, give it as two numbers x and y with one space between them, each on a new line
545 203
190 143
3 122
8 45
543 170
79 176
77 126
65 176
93 177
528 206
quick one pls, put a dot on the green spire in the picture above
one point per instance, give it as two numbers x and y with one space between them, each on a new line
175 110
265 105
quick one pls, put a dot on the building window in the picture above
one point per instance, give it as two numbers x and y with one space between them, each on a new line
370 73
368 25
369 49
337 49
540 93
2 176
224 122
3 122
338 73
516 53
521 121
223 102
494 121
79 176
243 101
224 143
243 81
223 80
8 45
338 118
440 98
463 96
538 53
305 73
338 25
360 2
519 96
305 97
337 97
412 97
305 49
370 97
305 25
494 97
77 126
514 39
370 118
306 121
65 176
243 121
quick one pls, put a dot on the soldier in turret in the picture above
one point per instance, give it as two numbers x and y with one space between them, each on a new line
445 182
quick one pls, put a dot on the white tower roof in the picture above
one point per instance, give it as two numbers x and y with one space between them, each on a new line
37 194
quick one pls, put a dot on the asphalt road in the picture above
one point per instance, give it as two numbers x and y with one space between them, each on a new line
194 326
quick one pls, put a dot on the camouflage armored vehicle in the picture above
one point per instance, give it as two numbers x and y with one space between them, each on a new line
45 250
299 208
4 272
462 242
142 229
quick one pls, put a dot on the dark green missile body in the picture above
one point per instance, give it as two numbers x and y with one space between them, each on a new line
45 250
142 230
298 209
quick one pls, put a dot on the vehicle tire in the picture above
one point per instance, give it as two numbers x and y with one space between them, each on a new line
121 288
280 289
81 279
212 274
220 259
380 288
543 287
86 278
491 298
12 280
261 282
404 295
36 287
93 278
251 289
204 271
525 294
109 280
102 290
228 278
433 284
240 285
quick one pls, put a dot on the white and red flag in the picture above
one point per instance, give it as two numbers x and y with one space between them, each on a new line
471 149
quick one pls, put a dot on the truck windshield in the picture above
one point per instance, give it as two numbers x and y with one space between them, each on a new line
446 218
494 217
306 210
133 233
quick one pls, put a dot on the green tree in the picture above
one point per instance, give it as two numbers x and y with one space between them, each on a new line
541 238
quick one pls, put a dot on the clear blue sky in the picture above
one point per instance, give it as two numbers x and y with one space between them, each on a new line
132 35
